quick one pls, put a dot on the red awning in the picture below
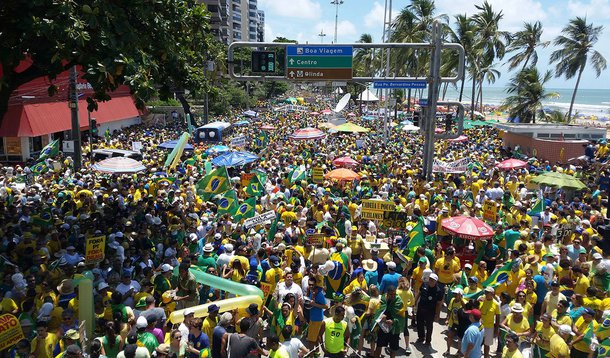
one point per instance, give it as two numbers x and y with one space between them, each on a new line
36 119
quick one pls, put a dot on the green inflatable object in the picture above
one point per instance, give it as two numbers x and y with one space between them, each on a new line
223 284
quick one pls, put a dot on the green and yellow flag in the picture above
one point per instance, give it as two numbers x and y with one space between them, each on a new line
227 203
416 239
50 150
214 183
39 168
246 210
254 188
499 276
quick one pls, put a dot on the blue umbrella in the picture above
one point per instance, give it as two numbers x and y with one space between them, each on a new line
369 118
217 149
249 113
241 123
234 159
172 143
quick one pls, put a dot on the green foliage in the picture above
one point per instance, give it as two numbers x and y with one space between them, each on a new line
143 44
524 43
526 93
160 102
227 96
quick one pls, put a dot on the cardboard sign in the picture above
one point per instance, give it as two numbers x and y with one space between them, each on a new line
316 239
245 179
94 250
490 211
238 141
259 219
317 175
395 219
266 288
10 331
372 215
136 146
374 209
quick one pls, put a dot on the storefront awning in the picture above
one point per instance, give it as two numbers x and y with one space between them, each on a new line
36 119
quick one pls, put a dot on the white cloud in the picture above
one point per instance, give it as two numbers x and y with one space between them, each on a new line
346 31
301 9
594 9
269 33
374 18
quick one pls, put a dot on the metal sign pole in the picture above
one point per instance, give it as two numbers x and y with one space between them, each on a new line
433 89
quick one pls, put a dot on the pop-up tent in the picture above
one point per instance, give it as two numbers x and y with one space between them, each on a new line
368 96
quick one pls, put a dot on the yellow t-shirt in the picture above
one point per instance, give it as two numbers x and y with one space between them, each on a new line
8 305
581 285
514 354
49 344
518 327
543 335
489 309
558 347
564 319
582 326
407 298
452 309
446 270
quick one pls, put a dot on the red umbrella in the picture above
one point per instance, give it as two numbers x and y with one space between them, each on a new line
307 134
326 111
314 113
345 162
459 139
467 227
268 127
351 114
438 130
509 164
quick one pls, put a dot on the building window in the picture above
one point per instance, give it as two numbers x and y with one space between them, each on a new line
2 145
36 144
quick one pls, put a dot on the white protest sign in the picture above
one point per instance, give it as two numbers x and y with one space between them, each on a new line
257 220
458 166
238 141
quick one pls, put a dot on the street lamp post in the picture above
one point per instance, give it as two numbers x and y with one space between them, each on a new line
336 3
321 35
73 104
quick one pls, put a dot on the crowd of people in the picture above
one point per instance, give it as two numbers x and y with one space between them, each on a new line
356 293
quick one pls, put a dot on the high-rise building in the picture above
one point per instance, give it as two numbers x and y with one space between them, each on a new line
236 20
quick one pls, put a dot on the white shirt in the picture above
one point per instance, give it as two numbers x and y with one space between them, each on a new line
293 346
185 332
282 291
123 289
223 259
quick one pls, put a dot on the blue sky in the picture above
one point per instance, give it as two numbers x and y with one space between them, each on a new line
303 20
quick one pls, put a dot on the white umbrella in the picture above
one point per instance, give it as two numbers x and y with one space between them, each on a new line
410 128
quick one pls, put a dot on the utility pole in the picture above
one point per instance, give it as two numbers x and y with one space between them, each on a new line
336 3
321 35
387 31
209 66
429 112
75 122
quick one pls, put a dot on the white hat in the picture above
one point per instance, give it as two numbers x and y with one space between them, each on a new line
229 247
565 329
193 236
208 248
597 256
433 276
517 308
585 222
217 236
188 311
457 290
119 234
468 266
391 265
142 322
166 268
102 285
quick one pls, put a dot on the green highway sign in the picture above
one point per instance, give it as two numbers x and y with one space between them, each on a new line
319 62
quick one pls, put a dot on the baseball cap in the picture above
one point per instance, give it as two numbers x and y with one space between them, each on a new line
565 329
188 311
475 313
490 289
423 260
391 265
433 276
166 268
273 259
213 308
589 311
142 322
597 256
457 291
102 285
72 334
468 266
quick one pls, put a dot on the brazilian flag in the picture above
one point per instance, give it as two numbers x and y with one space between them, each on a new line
41 221
39 168
538 207
297 173
246 210
262 139
50 150
499 276
164 181
254 188
262 176
214 183
604 348
227 203
416 239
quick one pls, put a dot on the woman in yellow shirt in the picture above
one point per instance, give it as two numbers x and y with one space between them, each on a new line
541 336
515 324
521 300
405 293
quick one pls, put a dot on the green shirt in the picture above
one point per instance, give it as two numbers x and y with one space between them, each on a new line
206 261
148 340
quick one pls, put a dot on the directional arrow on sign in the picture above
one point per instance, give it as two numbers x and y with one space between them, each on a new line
291 61
291 74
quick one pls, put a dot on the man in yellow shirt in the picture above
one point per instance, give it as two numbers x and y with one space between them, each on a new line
582 281
446 268
490 319
558 342
581 327
43 345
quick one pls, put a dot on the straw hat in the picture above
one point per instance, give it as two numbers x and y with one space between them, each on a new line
369 265
66 287
517 308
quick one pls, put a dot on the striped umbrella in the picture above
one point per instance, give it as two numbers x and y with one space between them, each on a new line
307 134
119 165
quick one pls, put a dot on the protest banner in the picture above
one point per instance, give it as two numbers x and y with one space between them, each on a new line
374 209
317 175
266 288
395 219
316 239
94 249
490 211
238 141
259 219
458 166
10 331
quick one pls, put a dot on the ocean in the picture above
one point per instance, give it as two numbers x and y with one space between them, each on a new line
588 101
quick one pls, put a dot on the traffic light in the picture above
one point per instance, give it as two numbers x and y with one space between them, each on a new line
263 62
93 127
448 122
416 119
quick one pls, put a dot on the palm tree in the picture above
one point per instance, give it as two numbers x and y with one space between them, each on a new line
490 44
363 57
576 48
525 42
424 12
527 92
464 35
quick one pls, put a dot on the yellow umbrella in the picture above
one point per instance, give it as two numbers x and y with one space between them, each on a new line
351 128
342 174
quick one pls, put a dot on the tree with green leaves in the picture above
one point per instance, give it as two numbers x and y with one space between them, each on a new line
464 34
524 43
151 46
576 44
526 93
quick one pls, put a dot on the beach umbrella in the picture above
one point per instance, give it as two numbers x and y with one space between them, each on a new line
459 139
351 128
351 114
326 111
410 128
406 122
119 165
307 134
241 123
342 174
439 130
234 159
326 125
172 144
558 180
217 149
249 113
512 163
345 162
268 127
315 113
466 227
